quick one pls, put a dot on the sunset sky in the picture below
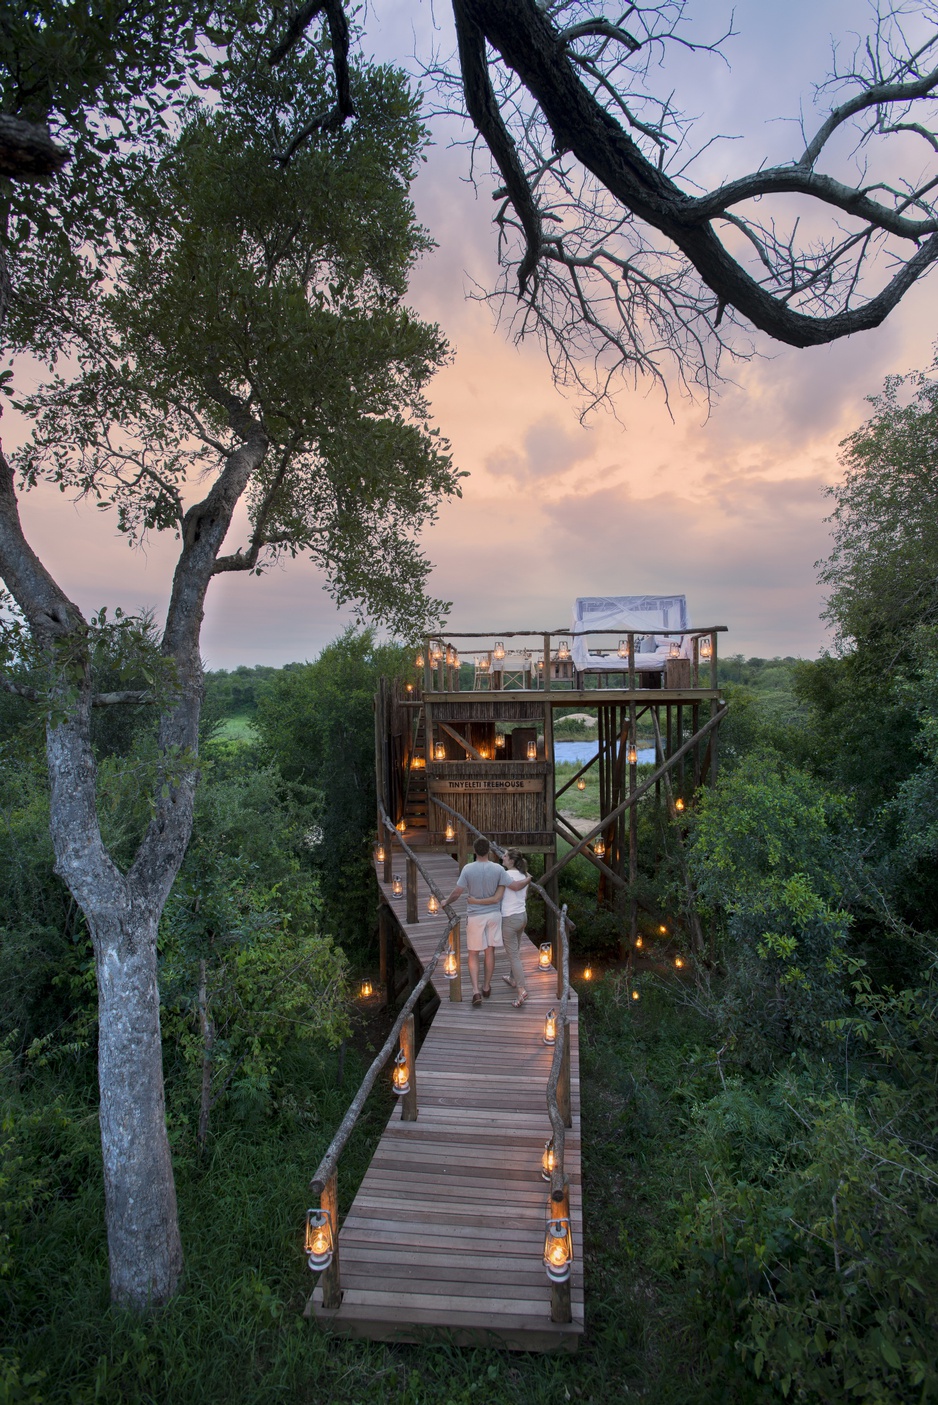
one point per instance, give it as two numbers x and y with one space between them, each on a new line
725 505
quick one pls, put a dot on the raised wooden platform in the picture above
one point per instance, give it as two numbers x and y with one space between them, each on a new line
446 1234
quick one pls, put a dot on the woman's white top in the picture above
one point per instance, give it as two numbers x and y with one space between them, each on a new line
513 902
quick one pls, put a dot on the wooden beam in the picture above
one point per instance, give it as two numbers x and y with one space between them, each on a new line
443 726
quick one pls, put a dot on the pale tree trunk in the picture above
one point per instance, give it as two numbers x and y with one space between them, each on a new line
124 910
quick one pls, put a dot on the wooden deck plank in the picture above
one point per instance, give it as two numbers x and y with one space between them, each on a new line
446 1232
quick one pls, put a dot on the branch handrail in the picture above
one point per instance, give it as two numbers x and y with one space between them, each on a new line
327 1166
553 1111
548 900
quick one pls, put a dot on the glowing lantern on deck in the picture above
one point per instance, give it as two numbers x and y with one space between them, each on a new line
632 754
674 650
436 654
599 848
550 1027
662 930
587 973
419 660
623 649
563 651
450 965
410 687
558 1249
679 962
400 1074
500 742
366 990
532 751
581 783
499 651
545 955
397 887
401 825
433 905
379 853
320 1245
450 832
706 649
679 804
548 1160
439 751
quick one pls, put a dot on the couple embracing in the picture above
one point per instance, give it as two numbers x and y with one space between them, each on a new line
496 916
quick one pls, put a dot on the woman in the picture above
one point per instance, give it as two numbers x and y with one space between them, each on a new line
514 918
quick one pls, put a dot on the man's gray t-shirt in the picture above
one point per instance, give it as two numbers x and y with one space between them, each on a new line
483 880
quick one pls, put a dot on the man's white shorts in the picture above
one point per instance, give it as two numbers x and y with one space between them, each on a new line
483 929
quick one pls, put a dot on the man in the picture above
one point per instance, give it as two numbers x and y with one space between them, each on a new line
483 881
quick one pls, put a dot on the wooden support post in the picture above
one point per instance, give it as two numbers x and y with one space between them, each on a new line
388 873
560 1303
427 675
409 1046
679 720
633 835
695 727
331 1283
563 1082
385 954
455 987
713 707
631 663
411 891
547 663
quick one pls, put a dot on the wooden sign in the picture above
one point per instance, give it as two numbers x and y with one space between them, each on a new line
488 785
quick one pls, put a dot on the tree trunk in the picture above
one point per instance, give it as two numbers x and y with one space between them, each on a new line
144 1246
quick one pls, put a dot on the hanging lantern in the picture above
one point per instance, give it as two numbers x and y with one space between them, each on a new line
634 994
499 651
548 1160
500 741
436 653
550 1027
679 962
705 650
419 660
558 1249
450 965
639 941
679 804
433 904
587 973
367 990
400 1074
439 751
623 649
599 848
563 651
450 832
532 751
320 1245
632 754
545 956
397 887
674 650
379 853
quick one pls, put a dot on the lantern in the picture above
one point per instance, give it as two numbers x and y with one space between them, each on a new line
587 973
419 660
320 1245
545 956
484 753
401 825
558 1250
632 754
679 962
634 994
532 751
679 804
599 848
410 687
705 650
400 1074
623 649
367 990
455 659
548 1160
540 665
639 941
499 651
500 741
433 905
379 853
439 751
397 887
550 1027
450 655
450 832
484 664
662 930
563 651
581 783
450 965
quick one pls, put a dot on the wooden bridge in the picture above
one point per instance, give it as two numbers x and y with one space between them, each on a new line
446 1234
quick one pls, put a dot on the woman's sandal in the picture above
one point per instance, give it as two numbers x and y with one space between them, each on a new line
476 998
486 993
522 997
509 981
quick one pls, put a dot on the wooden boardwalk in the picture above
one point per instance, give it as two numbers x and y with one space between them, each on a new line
446 1234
